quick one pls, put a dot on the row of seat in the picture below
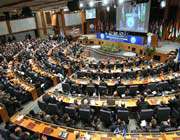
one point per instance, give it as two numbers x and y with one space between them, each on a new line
86 114
133 90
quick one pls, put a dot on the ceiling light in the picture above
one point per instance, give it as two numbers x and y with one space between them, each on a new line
163 4
91 3
105 2
65 9
81 5
108 8
120 1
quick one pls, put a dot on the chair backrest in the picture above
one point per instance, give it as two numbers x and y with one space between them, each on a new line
152 86
105 116
123 115
90 89
4 133
110 66
163 113
14 137
121 89
70 110
119 65
146 114
81 74
76 88
178 81
42 105
52 109
163 85
133 90
66 87
102 90
85 114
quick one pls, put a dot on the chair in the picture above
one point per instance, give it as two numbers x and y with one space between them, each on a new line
123 115
90 89
152 86
106 116
66 87
119 66
163 86
52 109
110 66
14 137
42 105
85 114
102 90
71 111
81 74
146 114
4 133
76 89
133 90
163 113
121 89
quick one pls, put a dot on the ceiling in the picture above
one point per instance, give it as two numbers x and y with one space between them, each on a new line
10 5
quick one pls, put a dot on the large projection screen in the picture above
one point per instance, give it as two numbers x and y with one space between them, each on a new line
133 18
91 13
72 19
23 24
3 28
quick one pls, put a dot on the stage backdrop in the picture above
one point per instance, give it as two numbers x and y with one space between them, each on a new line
121 38
134 18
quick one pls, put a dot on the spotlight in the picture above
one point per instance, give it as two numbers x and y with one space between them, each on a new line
114 6
105 2
163 4
120 1
91 3
65 9
81 5
108 8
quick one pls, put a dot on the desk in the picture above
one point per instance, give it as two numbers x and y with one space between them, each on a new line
138 81
24 85
4 114
39 126
125 69
31 89
98 102
37 69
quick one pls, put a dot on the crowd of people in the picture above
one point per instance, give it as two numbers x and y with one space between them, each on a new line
69 53
84 116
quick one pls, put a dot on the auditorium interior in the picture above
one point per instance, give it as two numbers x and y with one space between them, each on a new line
89 69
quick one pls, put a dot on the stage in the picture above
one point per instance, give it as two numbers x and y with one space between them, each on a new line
163 47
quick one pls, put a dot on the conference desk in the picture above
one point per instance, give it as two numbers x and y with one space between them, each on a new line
39 70
24 85
19 82
54 131
124 70
27 87
4 114
66 66
99 102
137 81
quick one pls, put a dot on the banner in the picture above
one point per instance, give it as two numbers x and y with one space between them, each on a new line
121 38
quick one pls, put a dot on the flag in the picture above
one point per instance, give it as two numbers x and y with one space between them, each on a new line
124 133
116 131
178 56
